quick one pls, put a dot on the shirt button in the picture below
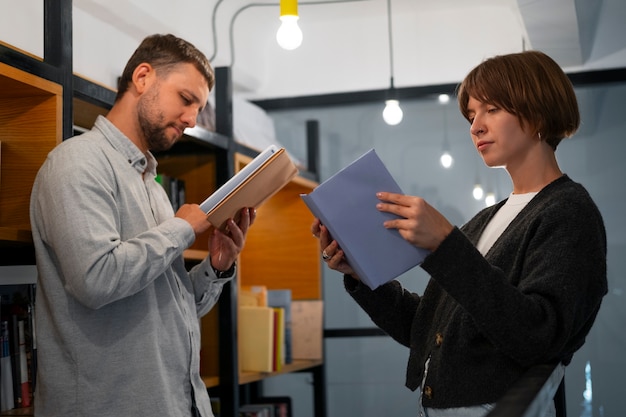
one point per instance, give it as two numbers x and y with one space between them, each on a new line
428 392
438 339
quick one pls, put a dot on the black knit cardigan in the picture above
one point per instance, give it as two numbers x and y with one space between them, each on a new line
483 321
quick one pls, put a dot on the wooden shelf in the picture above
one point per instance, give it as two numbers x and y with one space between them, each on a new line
26 411
31 120
298 365
12 234
248 377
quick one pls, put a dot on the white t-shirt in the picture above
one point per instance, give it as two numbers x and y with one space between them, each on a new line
502 219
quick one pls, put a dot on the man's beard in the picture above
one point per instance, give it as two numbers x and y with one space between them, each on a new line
154 131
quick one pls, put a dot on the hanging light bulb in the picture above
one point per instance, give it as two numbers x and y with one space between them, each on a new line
490 199
446 159
478 191
289 35
392 114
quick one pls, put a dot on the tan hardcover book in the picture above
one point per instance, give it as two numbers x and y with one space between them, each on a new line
306 329
263 177
256 339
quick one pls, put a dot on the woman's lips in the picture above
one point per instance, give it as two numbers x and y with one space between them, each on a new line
481 145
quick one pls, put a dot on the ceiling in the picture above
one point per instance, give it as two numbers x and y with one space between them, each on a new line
346 44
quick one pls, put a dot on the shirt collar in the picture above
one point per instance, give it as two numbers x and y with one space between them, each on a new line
142 163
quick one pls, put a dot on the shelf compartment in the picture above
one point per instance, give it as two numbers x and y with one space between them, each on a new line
31 121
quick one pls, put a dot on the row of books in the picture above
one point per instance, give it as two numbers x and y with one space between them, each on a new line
264 329
174 188
274 330
17 347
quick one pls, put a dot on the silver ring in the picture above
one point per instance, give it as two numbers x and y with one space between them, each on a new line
325 256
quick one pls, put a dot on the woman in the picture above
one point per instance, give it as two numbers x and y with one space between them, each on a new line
521 283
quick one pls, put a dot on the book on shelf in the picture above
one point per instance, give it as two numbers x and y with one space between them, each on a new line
174 188
256 339
7 399
307 329
282 299
278 347
259 180
256 410
253 295
281 405
346 204
261 338
17 346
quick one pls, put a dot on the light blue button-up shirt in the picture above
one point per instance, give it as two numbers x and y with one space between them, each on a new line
116 311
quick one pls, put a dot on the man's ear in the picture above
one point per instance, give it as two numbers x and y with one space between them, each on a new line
142 76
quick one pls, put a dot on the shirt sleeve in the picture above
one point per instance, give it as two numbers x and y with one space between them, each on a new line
104 248
207 286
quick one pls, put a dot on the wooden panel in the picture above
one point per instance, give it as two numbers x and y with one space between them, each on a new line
30 126
280 250
85 114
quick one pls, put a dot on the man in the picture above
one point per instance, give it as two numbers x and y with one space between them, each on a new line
117 312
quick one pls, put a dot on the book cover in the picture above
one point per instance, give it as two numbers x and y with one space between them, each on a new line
282 299
307 329
253 295
282 405
259 180
256 410
279 339
7 401
256 338
346 205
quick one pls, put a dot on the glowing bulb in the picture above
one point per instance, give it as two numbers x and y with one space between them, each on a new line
490 199
446 159
392 114
443 98
478 192
289 35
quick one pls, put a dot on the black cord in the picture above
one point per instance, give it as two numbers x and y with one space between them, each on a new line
247 6
213 19
390 42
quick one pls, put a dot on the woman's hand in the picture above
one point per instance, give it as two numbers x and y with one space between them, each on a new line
331 252
419 223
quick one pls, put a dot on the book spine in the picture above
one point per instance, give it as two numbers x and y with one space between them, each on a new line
23 367
6 377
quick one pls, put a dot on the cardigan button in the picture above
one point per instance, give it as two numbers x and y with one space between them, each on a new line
438 339
428 392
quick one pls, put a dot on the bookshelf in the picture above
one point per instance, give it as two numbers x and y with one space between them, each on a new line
41 104
30 116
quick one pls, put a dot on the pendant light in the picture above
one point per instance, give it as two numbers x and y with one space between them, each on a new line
289 35
392 114
478 191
